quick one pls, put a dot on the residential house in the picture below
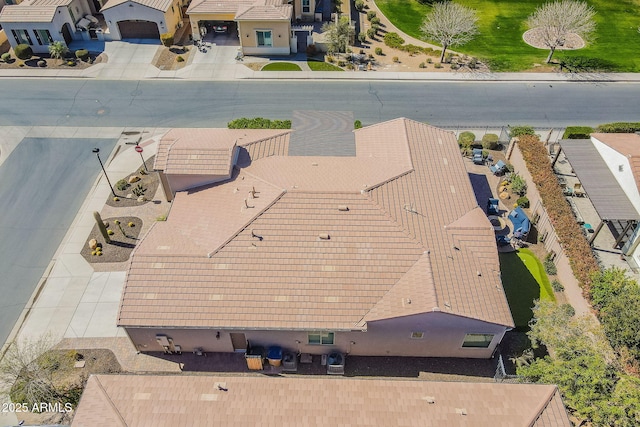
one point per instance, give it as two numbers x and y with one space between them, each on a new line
137 400
367 242
141 19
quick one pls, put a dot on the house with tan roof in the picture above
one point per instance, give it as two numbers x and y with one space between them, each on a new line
319 238
608 167
141 19
142 400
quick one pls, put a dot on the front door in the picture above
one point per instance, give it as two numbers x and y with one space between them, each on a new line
239 342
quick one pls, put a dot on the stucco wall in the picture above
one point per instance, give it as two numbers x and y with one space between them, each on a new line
124 12
54 28
184 182
443 337
281 32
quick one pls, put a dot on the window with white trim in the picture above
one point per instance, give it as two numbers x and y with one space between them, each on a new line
263 38
321 338
21 37
477 340
417 335
306 6
43 37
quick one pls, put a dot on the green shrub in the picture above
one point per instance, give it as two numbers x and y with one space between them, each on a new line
179 58
139 190
490 141
577 132
466 139
378 51
258 123
619 127
454 66
371 33
448 57
549 266
375 20
342 63
518 185
429 61
122 184
357 124
82 54
393 40
167 39
523 202
23 51
422 65
371 14
473 63
517 131
557 286
395 59
71 63
362 37
359 5
437 65
6 57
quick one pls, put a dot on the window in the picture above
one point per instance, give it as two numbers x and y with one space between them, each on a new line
21 36
264 38
43 36
321 338
477 340
417 335
306 6
73 18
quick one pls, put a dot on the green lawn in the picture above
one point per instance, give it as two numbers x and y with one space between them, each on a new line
524 280
322 66
281 66
502 23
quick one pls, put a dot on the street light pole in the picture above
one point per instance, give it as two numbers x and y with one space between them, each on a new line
97 151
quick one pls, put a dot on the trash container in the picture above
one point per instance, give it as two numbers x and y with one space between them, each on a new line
274 356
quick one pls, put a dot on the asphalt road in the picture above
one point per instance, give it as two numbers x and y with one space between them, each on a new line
42 186
210 104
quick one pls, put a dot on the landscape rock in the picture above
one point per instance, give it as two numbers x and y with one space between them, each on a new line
93 243
134 178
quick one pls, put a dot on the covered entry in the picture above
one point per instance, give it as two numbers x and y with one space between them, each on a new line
135 29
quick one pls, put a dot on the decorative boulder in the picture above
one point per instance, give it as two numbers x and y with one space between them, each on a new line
142 199
134 178
93 244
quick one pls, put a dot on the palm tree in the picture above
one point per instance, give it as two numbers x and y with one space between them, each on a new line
57 49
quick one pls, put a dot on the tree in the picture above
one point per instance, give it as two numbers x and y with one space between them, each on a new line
338 34
57 49
556 20
450 24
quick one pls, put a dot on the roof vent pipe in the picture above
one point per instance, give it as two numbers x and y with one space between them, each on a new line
324 236
343 208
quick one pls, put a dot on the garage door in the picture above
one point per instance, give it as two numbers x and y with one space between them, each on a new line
138 30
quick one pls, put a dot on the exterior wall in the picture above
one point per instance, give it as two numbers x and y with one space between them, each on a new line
614 159
173 17
543 222
280 33
185 182
304 16
443 337
123 12
54 27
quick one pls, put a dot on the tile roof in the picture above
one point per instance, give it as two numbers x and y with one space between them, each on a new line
627 144
145 400
217 6
161 5
27 13
401 219
264 11
322 133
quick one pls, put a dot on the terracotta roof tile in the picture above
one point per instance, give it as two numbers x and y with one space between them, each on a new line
112 400
627 144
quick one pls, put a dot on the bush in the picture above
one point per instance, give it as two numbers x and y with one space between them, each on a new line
422 65
82 54
23 51
490 141
518 185
522 202
549 266
259 123
342 63
517 131
557 286
393 40
473 63
466 139
371 33
167 39
448 57
619 127
577 132
359 5
437 65
6 57
179 58
429 61
396 59
330 59
357 124
375 20
362 37
122 184
71 63
379 51
371 14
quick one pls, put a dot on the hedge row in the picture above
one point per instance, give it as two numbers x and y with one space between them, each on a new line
258 123
570 236
393 40
577 132
619 127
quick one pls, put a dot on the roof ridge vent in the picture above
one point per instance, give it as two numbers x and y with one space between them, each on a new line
324 236
343 208
461 411
429 399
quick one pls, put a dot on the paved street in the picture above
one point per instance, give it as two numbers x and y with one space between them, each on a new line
152 103
44 182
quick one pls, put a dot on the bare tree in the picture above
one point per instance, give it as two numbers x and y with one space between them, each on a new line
450 24
560 18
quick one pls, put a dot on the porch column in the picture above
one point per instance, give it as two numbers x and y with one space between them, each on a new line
624 233
595 233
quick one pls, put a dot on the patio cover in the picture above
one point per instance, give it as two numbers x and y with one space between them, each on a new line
607 197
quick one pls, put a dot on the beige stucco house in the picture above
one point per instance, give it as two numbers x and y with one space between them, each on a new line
172 400
373 246
134 19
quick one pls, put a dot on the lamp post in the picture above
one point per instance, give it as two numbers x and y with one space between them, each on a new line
97 151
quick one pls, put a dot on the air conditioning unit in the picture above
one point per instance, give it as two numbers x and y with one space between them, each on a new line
163 340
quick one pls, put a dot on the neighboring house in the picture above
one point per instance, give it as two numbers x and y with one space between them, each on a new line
172 400
262 26
368 242
608 167
39 23
141 19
